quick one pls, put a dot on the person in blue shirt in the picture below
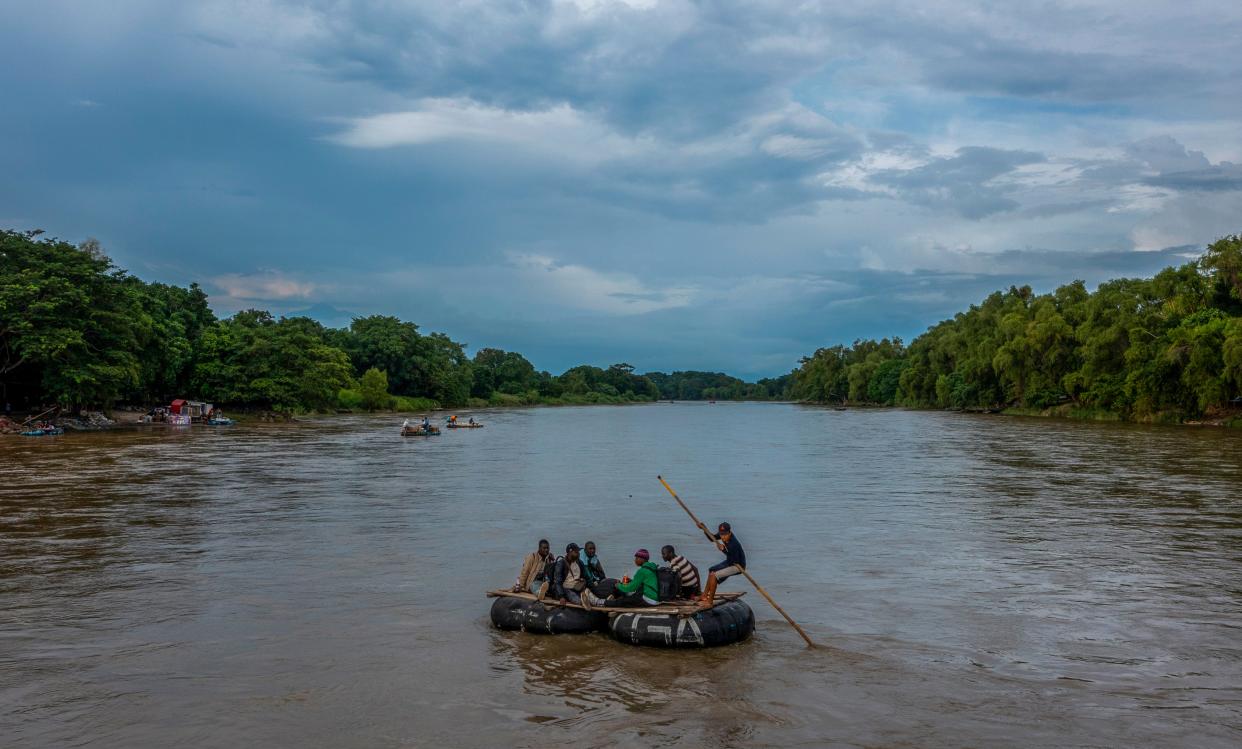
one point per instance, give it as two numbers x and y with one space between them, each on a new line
733 564
594 568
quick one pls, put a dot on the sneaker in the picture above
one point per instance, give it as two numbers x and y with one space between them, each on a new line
543 591
586 602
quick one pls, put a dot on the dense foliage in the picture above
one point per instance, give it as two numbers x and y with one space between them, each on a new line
76 331
1168 347
694 385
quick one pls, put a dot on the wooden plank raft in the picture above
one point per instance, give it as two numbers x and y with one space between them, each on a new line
689 608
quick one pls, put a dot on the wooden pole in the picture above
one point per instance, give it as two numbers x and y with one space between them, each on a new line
758 587
32 418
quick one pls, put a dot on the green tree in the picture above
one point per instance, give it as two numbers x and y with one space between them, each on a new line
374 389
69 322
284 365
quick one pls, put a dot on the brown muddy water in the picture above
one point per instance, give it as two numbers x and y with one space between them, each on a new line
979 581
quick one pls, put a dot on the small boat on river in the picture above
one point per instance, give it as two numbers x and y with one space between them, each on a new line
43 432
419 431
467 425
673 624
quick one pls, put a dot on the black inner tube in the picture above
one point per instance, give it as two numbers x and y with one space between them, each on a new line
539 618
725 624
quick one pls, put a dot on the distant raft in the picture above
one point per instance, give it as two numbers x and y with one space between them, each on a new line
724 624
455 425
419 431
54 431
529 615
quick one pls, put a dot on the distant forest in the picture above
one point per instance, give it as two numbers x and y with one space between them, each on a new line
77 331
1167 348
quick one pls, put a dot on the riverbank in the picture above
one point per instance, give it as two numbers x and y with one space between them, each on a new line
1225 418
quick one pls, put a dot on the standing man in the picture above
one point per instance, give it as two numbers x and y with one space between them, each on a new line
687 572
531 578
733 564
569 579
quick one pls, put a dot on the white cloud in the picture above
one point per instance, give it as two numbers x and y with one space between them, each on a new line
559 131
584 289
264 286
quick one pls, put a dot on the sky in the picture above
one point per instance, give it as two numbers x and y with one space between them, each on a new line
676 185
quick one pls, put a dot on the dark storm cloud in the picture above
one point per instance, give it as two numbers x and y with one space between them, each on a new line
963 182
1221 177
992 68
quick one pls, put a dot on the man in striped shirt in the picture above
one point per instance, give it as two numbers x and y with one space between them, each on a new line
688 573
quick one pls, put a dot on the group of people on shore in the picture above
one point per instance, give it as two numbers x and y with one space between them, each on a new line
578 576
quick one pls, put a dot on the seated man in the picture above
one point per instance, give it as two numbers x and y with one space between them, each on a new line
594 568
687 572
643 590
569 579
531 578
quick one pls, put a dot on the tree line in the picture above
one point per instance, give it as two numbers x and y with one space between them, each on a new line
1149 349
77 331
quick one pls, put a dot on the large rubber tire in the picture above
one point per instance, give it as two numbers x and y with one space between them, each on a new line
534 616
723 625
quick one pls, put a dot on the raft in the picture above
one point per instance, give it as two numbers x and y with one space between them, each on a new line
451 425
43 432
221 421
419 432
680 624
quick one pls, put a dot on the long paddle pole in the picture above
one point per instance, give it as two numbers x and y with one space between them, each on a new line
758 587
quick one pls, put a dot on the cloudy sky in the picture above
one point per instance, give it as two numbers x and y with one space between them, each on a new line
709 185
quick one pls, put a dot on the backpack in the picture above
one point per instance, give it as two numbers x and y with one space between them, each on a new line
669 583
549 569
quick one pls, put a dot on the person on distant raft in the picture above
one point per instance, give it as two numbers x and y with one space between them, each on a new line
733 564
643 589
426 424
569 579
405 424
532 575
687 572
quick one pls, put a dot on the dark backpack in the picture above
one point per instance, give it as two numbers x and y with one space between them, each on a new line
669 583
549 569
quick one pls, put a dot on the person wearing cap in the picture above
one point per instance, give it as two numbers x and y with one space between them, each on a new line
733 564
569 579
643 589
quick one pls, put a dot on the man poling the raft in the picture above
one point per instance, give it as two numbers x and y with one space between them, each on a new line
733 564
741 567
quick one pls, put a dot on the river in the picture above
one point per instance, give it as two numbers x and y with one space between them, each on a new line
976 581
